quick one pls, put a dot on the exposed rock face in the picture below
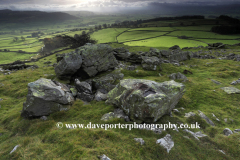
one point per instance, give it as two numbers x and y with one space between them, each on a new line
154 53
166 142
150 63
84 91
69 64
144 100
178 76
46 97
96 58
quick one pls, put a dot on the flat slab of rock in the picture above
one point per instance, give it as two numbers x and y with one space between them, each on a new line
216 82
46 97
166 142
189 114
145 100
231 90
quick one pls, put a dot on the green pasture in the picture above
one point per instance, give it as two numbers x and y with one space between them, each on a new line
202 34
40 139
137 35
231 42
107 35
166 41
9 57
153 29
197 28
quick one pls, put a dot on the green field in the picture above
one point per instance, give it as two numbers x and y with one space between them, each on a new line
202 34
166 41
108 35
137 35
8 57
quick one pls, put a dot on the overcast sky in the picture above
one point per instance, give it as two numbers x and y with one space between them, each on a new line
98 5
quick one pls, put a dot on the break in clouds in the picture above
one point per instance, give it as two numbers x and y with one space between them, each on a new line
101 5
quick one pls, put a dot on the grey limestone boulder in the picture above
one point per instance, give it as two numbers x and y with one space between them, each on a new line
96 58
68 65
46 97
145 100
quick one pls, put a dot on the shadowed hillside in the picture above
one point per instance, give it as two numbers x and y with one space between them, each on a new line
33 16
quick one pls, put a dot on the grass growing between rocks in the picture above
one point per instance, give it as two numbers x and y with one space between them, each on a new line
40 139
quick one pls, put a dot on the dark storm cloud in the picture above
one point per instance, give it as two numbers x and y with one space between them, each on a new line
100 5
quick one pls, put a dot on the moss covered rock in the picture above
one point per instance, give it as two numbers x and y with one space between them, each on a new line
145 100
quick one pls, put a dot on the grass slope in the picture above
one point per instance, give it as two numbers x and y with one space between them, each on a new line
42 140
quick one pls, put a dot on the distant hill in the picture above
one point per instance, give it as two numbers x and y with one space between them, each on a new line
80 13
33 16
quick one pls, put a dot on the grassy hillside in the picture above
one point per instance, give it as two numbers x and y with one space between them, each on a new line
40 139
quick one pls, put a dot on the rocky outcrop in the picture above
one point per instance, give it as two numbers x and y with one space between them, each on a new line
46 97
86 61
144 100
180 56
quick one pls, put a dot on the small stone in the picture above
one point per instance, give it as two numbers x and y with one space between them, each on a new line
225 120
206 118
175 110
227 132
186 137
140 140
216 82
221 151
1 99
104 157
44 118
159 74
189 114
14 149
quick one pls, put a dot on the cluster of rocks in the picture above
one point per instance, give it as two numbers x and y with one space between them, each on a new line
235 82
